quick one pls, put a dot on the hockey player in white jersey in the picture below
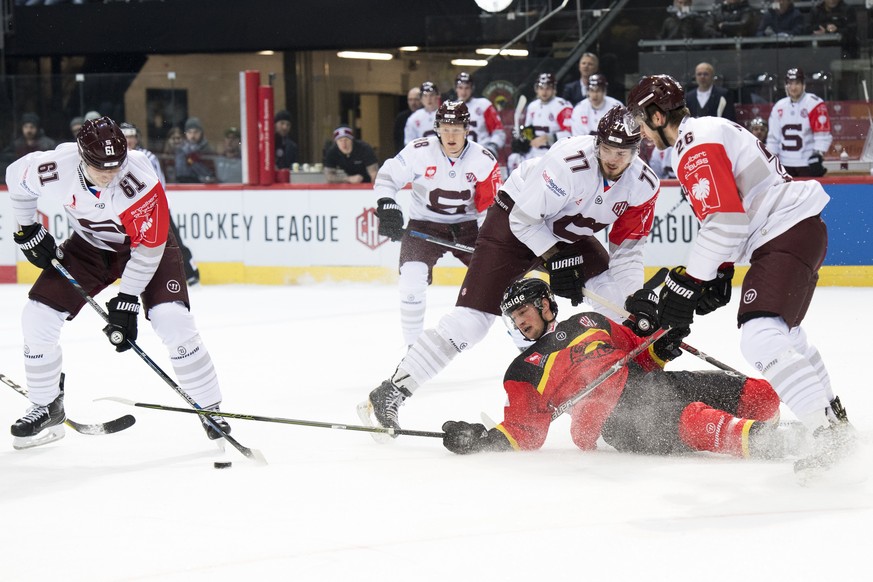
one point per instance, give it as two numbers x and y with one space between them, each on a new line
118 211
800 128
420 123
588 112
486 129
454 181
546 214
750 209
546 120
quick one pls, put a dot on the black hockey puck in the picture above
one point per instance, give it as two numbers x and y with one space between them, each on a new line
219 465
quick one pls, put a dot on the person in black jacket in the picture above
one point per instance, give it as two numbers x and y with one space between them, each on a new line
707 99
784 19
733 18
683 22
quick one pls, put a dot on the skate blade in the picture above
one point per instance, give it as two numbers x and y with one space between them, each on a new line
45 436
365 413
849 470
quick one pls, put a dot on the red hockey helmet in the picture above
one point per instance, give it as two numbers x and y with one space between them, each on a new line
102 144
662 91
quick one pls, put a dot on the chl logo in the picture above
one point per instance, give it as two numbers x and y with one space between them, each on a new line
367 229
619 208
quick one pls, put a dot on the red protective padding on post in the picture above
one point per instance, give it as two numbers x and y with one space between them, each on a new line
266 139
248 104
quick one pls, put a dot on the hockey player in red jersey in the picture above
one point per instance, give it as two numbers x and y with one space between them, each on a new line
118 211
750 209
454 181
639 409
547 214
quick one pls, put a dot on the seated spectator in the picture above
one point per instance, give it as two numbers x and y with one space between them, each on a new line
193 163
349 160
232 143
732 18
707 99
75 126
834 16
228 166
683 22
759 129
783 19
175 137
286 148
32 138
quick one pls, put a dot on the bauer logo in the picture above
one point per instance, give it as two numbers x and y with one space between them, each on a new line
367 229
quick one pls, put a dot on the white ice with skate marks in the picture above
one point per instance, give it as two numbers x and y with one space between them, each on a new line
147 504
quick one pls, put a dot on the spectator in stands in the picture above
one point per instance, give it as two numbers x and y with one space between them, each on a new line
75 126
232 143
228 166
759 129
413 103
286 148
683 22
349 160
782 19
194 158
420 123
92 115
801 128
134 139
707 99
576 91
32 138
835 16
588 112
732 18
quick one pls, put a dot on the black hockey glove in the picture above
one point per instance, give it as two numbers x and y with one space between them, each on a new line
123 311
38 245
390 218
716 293
643 306
679 298
520 146
463 438
668 345
816 165
565 275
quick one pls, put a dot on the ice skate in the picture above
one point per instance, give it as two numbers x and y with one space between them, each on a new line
41 425
211 432
832 443
382 408
778 440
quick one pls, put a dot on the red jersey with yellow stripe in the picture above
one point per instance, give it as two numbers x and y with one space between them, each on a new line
561 364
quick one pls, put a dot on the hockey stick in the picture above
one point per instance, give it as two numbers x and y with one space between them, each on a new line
606 375
518 116
624 313
108 427
280 420
440 241
253 454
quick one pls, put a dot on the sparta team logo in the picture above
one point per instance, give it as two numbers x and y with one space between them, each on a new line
471 177
430 172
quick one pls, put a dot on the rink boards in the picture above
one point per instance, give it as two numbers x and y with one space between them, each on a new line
299 234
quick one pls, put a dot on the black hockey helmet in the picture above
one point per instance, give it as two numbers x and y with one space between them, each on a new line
618 129
101 143
795 74
523 291
545 80
662 91
129 130
452 113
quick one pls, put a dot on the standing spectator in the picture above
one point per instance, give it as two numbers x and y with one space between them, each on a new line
349 160
749 210
174 140
413 103
118 212
421 122
759 129
546 214
133 138
486 129
286 148
834 16
454 181
193 158
800 128
588 112
732 18
783 19
546 120
707 99
683 22
32 138
576 91
75 126
228 166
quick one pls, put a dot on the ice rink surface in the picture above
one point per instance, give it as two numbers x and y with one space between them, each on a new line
147 504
